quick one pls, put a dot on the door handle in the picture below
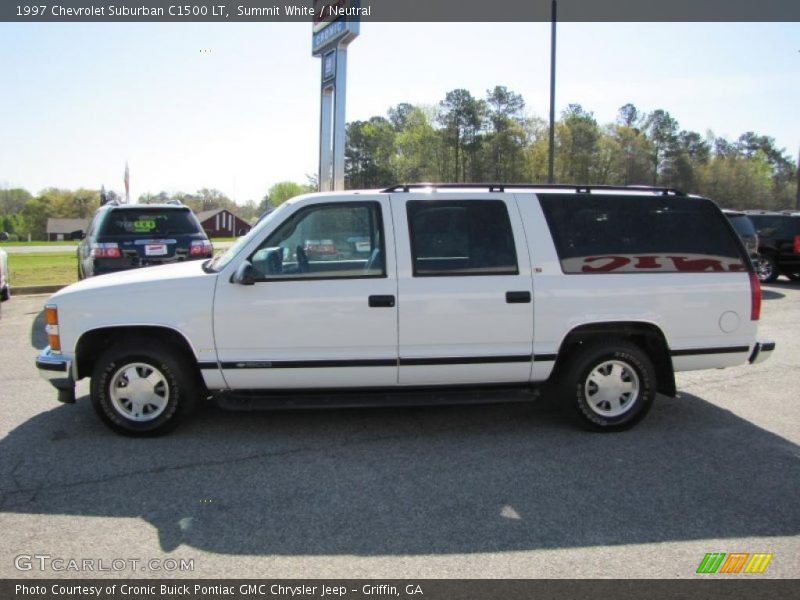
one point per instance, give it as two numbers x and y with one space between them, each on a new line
381 301
518 297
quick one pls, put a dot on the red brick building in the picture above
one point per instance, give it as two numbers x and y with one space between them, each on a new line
222 223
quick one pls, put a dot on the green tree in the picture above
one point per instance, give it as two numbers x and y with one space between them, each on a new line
420 152
661 130
13 200
281 192
507 137
461 116
577 136
369 153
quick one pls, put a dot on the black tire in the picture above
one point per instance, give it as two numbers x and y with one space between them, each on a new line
173 397
793 276
626 365
767 269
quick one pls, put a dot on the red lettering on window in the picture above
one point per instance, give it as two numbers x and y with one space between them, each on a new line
647 262
614 262
686 264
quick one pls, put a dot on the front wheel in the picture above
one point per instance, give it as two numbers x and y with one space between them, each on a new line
141 390
609 385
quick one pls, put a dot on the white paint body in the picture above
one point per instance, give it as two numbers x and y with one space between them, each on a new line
227 324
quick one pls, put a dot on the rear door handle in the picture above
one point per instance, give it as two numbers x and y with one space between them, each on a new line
381 301
518 297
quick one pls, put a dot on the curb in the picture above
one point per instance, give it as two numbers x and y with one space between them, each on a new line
29 290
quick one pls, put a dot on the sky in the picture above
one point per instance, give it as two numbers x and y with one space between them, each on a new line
235 106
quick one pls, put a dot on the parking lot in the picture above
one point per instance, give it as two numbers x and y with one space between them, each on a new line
508 490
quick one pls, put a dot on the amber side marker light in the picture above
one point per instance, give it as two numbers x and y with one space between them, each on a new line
51 327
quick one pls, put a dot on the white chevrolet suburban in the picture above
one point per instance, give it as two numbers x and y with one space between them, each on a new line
421 292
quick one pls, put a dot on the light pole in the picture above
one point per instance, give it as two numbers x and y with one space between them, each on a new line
797 203
551 148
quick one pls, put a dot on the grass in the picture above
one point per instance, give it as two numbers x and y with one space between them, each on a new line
42 269
75 243
52 268
35 243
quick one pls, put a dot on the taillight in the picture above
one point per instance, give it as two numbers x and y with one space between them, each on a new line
755 297
796 244
200 247
109 250
51 327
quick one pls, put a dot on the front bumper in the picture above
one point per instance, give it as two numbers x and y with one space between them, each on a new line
761 351
57 369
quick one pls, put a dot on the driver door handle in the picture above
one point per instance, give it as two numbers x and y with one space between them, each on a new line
381 301
518 297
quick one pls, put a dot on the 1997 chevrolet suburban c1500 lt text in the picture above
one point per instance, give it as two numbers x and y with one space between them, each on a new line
603 291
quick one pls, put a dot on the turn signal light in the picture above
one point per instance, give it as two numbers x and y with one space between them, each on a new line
796 244
200 247
110 250
51 327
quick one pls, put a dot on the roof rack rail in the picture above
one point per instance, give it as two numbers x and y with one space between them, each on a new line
502 187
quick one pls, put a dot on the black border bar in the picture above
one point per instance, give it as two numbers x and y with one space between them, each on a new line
707 587
410 11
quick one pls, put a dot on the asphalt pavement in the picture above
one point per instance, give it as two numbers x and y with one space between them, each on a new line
508 490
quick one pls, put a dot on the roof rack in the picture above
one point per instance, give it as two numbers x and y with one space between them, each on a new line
502 187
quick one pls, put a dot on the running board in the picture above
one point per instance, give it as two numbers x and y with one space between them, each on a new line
288 399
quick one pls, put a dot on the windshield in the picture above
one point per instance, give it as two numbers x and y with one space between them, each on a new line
221 260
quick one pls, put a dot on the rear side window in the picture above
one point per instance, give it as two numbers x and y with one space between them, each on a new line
149 222
776 226
470 237
635 234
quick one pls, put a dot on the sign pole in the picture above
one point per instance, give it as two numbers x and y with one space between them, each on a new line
325 140
552 141
339 133
329 41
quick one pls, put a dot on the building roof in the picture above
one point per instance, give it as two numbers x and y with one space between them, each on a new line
66 225
207 214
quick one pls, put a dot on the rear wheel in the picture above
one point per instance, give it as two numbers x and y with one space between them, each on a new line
610 385
767 269
140 389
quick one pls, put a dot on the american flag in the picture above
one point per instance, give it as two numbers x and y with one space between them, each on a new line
127 184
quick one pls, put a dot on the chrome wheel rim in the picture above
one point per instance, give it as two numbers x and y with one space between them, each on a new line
612 388
139 392
764 268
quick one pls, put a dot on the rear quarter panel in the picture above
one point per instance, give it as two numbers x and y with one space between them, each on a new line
693 310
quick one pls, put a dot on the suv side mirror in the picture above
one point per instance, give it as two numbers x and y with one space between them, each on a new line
245 274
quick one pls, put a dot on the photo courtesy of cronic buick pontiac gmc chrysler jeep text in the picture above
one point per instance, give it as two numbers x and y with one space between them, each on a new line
423 292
